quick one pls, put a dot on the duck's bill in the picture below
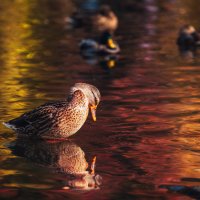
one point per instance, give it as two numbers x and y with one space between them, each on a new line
93 112
111 44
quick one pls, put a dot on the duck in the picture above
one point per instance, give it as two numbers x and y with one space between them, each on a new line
105 20
99 19
59 119
188 38
105 45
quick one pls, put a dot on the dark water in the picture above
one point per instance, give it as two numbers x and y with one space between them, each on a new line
146 138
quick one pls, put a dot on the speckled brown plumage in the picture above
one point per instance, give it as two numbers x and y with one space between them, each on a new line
59 119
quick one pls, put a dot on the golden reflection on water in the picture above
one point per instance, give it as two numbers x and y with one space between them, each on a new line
22 51
16 50
17 54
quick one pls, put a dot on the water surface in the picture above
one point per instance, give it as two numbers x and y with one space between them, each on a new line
146 138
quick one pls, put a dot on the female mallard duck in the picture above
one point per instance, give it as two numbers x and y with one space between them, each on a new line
188 38
59 119
105 20
105 45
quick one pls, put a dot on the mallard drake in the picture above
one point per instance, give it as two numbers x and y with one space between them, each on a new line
59 119
105 20
105 45
188 38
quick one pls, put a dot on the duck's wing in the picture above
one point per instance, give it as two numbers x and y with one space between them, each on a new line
88 43
37 121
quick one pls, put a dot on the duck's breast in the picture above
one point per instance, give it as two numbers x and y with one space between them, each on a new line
72 118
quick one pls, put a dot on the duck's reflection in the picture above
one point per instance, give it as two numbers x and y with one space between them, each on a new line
109 61
106 62
64 157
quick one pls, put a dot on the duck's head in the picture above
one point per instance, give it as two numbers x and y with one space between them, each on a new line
105 19
92 94
84 182
187 29
105 10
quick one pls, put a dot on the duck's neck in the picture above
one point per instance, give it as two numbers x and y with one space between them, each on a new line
105 37
107 40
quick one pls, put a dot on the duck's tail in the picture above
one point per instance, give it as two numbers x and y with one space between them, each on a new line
8 125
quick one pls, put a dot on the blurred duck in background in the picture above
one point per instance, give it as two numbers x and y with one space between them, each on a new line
98 19
63 157
188 39
105 45
107 62
103 22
